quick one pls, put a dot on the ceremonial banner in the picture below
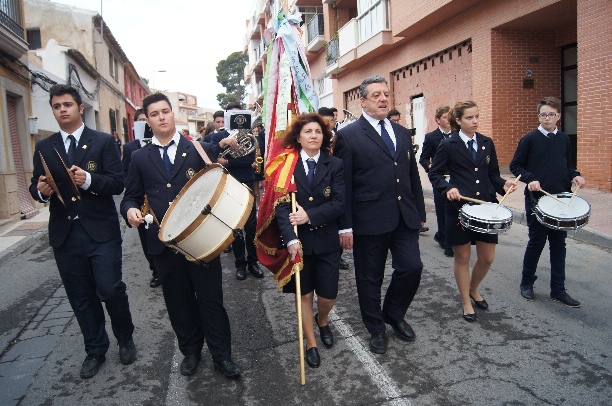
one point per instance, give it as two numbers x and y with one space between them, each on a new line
288 90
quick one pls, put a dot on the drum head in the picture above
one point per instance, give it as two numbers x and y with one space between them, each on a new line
579 207
487 212
192 200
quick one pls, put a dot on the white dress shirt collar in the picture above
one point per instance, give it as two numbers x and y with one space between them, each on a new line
543 131
465 139
76 134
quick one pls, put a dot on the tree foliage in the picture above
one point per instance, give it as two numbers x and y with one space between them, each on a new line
230 74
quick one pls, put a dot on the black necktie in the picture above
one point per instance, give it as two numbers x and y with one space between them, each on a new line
311 170
385 137
71 150
166 159
470 145
551 135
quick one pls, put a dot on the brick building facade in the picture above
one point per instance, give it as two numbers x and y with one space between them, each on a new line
504 55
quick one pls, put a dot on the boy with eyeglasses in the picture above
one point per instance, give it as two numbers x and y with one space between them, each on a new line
542 158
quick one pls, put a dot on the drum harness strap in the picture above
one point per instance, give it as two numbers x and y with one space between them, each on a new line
207 209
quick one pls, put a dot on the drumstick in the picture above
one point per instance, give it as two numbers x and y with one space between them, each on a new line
549 195
469 199
508 192
574 195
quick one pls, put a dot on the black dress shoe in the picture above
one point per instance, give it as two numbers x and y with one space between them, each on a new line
449 252
155 282
470 317
343 264
565 299
312 357
90 366
378 343
127 352
424 229
437 239
327 337
229 368
401 328
527 292
241 273
255 270
227 250
190 364
480 303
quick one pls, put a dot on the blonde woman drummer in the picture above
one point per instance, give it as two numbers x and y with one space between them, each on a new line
470 159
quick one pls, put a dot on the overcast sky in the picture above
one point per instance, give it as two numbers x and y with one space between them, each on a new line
186 38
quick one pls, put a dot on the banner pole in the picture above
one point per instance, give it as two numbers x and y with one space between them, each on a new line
298 302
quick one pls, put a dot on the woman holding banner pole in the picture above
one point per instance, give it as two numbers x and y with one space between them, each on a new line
320 201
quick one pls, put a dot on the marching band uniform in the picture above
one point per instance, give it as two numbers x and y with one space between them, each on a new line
192 290
478 179
384 208
86 239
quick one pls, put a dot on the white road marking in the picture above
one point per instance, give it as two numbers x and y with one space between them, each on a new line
176 385
376 372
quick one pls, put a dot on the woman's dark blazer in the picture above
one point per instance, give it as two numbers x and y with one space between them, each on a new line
323 202
478 179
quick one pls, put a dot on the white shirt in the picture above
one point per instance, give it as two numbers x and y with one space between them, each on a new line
465 140
543 131
304 156
446 135
376 124
171 149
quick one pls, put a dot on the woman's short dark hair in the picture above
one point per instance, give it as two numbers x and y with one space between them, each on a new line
293 132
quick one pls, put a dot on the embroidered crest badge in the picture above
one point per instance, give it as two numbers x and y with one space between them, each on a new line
488 159
190 173
91 166
327 192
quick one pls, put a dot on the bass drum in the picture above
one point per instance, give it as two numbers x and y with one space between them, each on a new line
200 222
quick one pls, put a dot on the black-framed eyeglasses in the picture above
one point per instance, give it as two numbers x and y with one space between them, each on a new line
548 115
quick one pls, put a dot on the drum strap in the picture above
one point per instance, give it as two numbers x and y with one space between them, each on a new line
201 151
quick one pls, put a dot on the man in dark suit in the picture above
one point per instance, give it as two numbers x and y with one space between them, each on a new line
139 141
192 290
84 227
384 210
242 169
430 145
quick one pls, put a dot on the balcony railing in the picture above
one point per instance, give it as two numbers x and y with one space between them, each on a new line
315 27
10 16
333 51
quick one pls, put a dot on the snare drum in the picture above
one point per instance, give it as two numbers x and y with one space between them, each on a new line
200 222
488 218
563 216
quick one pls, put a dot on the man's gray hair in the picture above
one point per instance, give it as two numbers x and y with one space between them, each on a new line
363 92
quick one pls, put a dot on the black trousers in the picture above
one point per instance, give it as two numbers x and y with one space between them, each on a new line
440 203
142 234
193 294
370 254
91 274
246 242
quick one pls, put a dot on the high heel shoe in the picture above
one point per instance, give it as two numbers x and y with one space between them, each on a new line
480 303
470 317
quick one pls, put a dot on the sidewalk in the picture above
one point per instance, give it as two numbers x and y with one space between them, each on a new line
597 231
18 236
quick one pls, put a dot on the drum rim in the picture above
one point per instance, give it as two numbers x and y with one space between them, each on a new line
538 210
201 217
468 215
